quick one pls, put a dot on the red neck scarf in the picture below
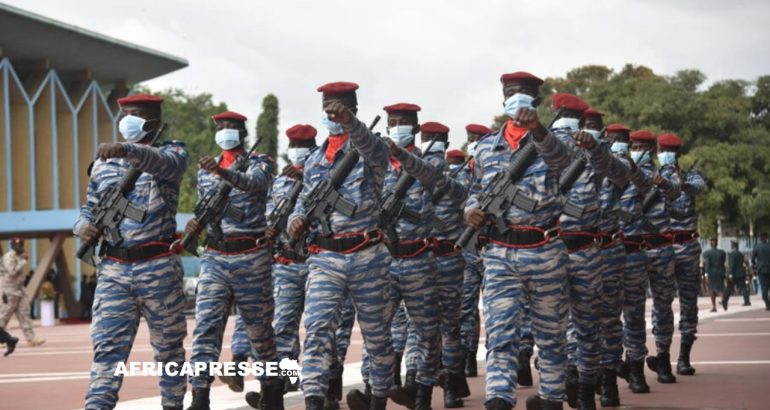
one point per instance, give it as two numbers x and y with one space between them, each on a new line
335 142
229 156
514 134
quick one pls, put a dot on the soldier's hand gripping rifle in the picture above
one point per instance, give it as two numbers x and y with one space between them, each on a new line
393 206
568 178
112 207
279 218
502 192
324 198
214 206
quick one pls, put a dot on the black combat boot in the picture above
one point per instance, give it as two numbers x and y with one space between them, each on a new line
272 394
664 368
378 403
335 383
235 383
10 341
358 400
397 369
200 399
173 407
410 383
498 404
314 403
683 366
636 381
524 375
537 403
423 397
586 397
623 369
452 397
253 399
406 395
610 396
471 367
571 386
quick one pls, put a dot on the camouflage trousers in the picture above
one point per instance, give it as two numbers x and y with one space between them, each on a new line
124 293
15 300
332 276
400 329
584 288
634 298
538 275
470 321
611 300
687 275
243 279
660 265
346 318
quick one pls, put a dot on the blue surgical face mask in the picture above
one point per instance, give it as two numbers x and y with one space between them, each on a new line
131 128
438 146
401 135
334 128
471 148
516 101
619 147
594 133
228 138
637 157
571 123
297 156
667 158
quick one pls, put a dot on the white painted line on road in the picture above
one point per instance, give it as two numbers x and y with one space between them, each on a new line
42 379
751 319
48 374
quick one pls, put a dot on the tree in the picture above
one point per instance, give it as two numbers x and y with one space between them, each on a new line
267 128
754 207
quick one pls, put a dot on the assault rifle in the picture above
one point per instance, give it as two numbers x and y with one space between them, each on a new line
112 208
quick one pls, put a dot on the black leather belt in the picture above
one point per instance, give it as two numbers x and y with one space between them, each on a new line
409 249
609 237
576 240
291 255
656 241
633 244
524 236
684 236
444 247
235 245
141 252
349 242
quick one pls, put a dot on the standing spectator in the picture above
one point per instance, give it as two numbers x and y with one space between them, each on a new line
714 263
760 259
736 274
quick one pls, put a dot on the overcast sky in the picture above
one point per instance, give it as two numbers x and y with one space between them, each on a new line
445 55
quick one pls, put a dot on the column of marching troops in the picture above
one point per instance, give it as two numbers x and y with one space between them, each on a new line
573 222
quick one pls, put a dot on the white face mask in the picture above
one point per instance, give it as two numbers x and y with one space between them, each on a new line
228 138
637 157
594 133
471 148
401 135
334 128
667 158
516 101
131 128
619 147
571 123
297 156
438 146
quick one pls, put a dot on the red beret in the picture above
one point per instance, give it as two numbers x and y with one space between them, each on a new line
669 140
340 87
17 239
618 128
568 101
521 77
433 127
477 129
402 107
139 99
455 153
590 112
643 135
301 132
229 115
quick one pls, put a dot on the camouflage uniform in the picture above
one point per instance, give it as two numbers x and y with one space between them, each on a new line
687 250
242 277
126 291
15 300
362 274
534 273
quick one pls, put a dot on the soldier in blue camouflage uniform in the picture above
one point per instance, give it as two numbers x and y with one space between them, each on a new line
470 327
139 277
687 250
663 188
235 268
523 262
578 231
448 197
352 259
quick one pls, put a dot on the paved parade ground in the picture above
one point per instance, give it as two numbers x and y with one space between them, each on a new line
732 358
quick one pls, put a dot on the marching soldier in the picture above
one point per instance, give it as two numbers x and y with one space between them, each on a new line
235 268
714 261
352 259
15 300
523 261
140 276
760 261
687 250
736 274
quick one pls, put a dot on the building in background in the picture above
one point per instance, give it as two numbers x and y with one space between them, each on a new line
58 90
